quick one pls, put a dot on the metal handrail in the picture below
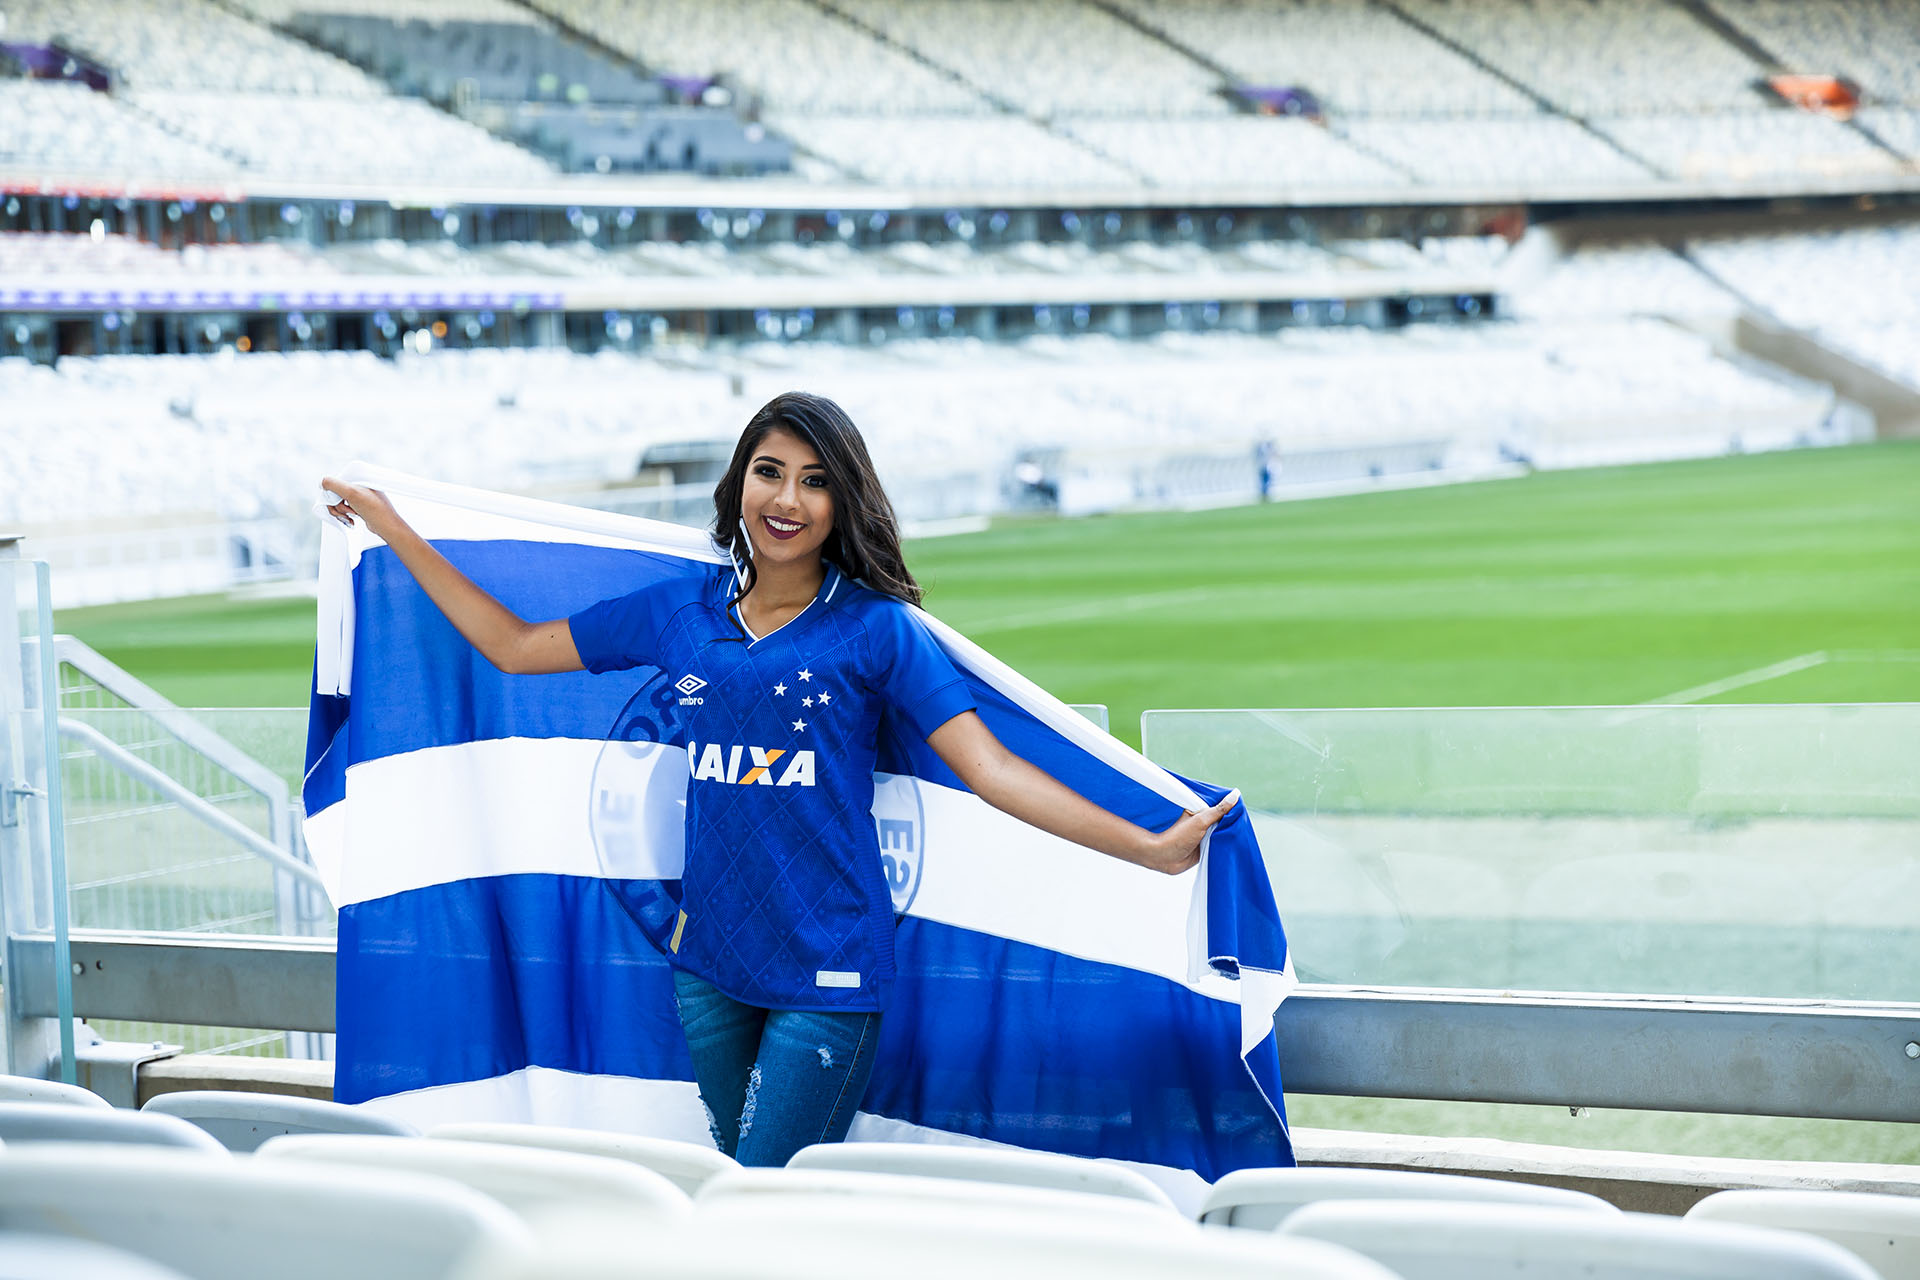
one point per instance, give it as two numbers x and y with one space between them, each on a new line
134 767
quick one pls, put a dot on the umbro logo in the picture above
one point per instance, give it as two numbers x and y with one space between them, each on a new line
688 685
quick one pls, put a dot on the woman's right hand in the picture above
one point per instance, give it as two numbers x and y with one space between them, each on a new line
370 505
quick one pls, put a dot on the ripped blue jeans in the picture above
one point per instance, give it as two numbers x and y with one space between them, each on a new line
774 1081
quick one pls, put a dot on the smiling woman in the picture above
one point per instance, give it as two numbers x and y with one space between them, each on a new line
790 658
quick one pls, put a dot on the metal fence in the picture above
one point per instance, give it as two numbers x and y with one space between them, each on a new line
183 822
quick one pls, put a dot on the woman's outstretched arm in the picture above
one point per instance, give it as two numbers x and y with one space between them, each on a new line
1030 794
515 646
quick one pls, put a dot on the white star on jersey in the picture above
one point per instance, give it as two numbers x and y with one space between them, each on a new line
825 698
805 675
806 702
799 726
780 690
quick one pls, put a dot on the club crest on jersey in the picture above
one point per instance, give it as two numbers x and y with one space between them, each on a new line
900 825
688 685
750 766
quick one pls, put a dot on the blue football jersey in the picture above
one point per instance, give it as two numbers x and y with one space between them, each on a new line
784 900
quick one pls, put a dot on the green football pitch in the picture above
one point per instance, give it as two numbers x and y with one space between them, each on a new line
1790 577
1611 586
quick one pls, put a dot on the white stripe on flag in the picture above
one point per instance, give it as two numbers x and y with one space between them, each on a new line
980 869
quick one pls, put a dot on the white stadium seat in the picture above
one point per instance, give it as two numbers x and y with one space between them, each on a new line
524 1179
216 1218
831 1190
1264 1198
29 1089
1883 1229
855 1240
31 1256
22 1123
242 1121
682 1163
984 1164
1435 1240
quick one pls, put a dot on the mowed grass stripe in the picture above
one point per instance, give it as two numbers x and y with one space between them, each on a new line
1613 586
1607 586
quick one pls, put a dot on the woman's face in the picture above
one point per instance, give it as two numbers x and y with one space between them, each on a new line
785 501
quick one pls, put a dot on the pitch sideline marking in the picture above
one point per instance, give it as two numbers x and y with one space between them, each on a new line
1740 680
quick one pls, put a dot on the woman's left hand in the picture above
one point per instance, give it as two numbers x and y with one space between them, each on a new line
1178 847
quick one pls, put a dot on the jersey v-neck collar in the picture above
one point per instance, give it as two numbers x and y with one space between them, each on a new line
823 597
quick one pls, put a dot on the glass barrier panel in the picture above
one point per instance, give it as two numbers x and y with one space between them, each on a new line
33 901
1096 712
175 818
1739 851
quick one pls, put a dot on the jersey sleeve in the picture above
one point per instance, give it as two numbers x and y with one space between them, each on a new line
912 672
625 631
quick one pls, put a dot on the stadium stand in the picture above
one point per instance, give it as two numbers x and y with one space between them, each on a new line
1358 58
1601 57
779 54
1273 154
186 45
1065 95
254 429
1750 144
992 152
1833 284
61 128
1898 127
1875 43
1052 57
1518 155
344 140
1637 276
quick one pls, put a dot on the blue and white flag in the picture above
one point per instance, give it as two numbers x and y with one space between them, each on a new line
502 847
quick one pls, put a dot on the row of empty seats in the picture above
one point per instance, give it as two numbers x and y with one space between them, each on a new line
1516 95
1635 276
1052 57
1844 285
185 45
1875 43
166 430
788 55
1358 57
205 1184
1602 57
1832 283
346 140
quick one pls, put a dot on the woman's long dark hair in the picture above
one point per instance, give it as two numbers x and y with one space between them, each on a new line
865 541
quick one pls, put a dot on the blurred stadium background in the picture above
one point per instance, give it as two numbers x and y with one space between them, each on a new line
1591 328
